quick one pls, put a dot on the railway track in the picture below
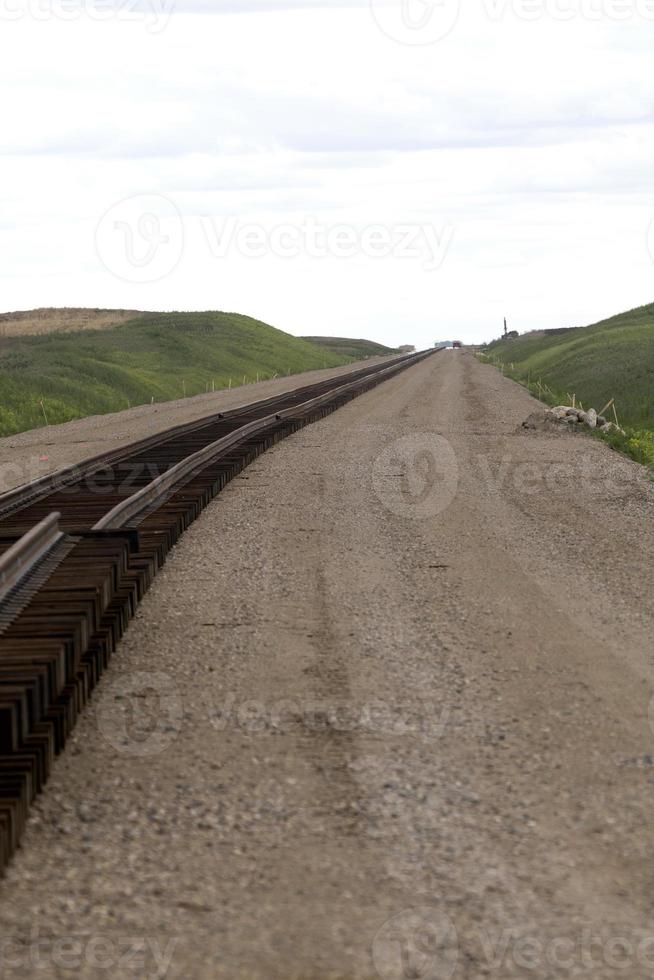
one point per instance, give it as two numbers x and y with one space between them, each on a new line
79 549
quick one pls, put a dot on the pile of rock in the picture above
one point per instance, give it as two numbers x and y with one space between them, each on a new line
577 416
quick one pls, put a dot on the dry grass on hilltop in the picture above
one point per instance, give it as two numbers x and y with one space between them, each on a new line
34 322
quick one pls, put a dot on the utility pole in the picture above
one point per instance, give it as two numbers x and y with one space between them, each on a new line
506 329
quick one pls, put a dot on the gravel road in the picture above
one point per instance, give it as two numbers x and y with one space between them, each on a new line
384 715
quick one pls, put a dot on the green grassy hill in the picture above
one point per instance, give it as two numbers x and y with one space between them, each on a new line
356 349
610 359
161 356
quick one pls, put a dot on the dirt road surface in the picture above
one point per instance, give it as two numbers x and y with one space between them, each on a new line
385 714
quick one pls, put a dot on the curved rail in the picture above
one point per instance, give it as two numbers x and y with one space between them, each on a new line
19 497
128 511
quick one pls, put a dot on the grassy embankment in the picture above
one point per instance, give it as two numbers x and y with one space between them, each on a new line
610 359
62 376
354 349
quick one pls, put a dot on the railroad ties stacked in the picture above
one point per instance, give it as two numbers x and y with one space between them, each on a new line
79 549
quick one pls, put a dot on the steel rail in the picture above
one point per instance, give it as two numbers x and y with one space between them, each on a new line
129 510
19 497
21 558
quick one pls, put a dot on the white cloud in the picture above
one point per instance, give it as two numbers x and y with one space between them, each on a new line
531 140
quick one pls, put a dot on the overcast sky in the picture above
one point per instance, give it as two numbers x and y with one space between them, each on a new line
404 171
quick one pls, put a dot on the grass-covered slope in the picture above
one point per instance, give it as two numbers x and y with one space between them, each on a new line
160 356
614 358
356 349
610 359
